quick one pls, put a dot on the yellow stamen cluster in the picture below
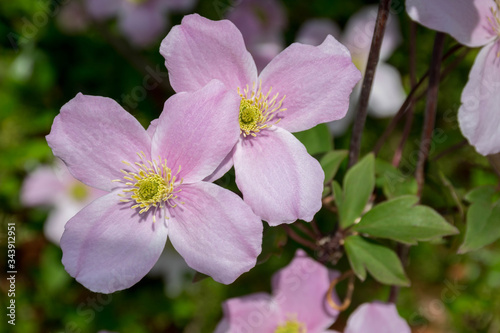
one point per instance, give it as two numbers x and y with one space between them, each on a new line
150 185
79 192
257 110
495 22
291 326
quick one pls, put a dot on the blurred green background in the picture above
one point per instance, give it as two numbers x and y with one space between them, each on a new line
43 64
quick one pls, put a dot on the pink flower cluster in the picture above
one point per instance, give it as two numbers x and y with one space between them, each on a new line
159 181
298 304
474 23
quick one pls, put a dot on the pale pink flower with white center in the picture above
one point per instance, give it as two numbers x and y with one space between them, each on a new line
387 94
300 88
262 24
156 189
474 23
376 317
141 21
298 303
53 186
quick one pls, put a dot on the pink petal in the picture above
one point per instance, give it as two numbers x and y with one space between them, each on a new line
215 231
300 289
197 130
100 9
317 82
93 135
42 187
359 33
478 116
261 22
314 31
465 20
108 247
278 178
200 50
256 313
54 226
223 168
152 127
143 24
387 94
376 318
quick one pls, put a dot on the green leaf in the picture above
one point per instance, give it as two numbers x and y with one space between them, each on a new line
483 219
483 193
338 195
317 139
382 263
392 181
359 183
403 221
331 162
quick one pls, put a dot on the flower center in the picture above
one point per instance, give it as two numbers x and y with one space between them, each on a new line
495 21
79 192
257 110
291 326
150 184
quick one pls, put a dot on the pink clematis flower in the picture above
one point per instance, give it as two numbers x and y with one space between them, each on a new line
54 186
262 24
141 21
387 93
300 88
376 317
474 23
298 303
155 189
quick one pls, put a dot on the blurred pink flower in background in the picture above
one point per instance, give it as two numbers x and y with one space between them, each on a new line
298 303
376 317
387 93
73 17
174 271
155 190
262 24
474 23
54 187
278 178
143 22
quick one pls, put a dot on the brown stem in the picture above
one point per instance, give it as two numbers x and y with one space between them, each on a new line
315 227
296 237
430 109
413 82
373 58
350 288
402 251
404 108
305 230
450 149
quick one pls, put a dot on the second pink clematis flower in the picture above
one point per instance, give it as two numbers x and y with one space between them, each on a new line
301 87
156 189
474 23
298 303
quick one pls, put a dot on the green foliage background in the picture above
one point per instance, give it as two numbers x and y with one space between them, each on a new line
448 293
